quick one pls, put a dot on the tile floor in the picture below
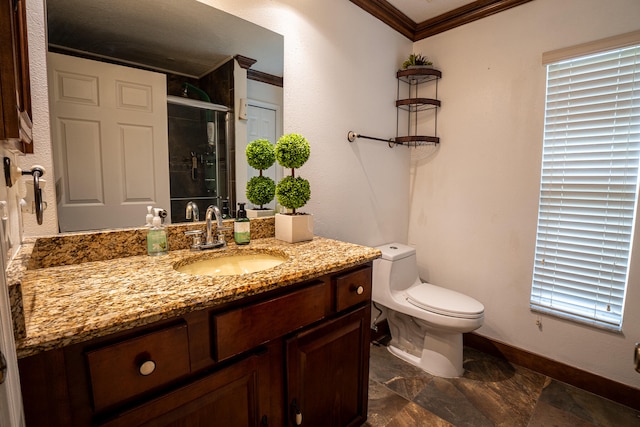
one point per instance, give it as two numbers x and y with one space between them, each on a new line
492 392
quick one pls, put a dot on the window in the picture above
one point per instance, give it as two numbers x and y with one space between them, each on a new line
589 187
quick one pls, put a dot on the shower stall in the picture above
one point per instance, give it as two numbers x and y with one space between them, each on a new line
200 155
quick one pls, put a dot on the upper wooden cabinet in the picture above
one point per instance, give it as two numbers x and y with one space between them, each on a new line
15 91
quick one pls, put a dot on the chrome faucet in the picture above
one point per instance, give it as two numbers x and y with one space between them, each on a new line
209 241
192 211
220 241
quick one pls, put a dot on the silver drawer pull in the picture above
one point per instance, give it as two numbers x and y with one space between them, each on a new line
147 368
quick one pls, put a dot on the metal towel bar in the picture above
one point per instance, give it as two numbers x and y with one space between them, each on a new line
11 175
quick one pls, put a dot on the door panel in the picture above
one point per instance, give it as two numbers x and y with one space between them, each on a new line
80 143
137 160
328 371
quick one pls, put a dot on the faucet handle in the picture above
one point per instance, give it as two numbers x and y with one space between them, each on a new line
221 239
197 238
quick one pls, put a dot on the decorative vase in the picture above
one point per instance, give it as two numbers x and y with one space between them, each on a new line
294 228
260 213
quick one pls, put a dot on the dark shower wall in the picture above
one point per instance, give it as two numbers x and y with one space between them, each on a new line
188 141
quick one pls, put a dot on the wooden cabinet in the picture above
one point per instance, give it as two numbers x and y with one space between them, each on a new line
239 330
15 91
235 395
137 365
327 379
328 365
253 362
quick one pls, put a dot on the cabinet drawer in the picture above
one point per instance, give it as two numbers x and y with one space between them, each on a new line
128 368
352 288
245 328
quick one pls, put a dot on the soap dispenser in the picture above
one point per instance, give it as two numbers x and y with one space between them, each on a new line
225 209
157 238
149 219
241 226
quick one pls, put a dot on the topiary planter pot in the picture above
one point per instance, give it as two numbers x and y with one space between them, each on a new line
294 228
260 213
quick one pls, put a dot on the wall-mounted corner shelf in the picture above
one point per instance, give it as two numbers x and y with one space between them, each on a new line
417 104
413 104
418 75
415 140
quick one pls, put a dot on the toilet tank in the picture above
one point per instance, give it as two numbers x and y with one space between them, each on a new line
396 270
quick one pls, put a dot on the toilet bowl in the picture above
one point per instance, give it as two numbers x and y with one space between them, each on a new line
426 321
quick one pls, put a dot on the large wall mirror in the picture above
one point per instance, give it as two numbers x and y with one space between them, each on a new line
210 80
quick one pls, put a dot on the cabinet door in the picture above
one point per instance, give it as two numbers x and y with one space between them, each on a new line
15 92
327 373
231 397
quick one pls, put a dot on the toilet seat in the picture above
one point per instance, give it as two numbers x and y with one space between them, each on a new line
444 301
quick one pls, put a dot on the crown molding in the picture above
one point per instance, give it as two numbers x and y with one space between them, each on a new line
267 78
400 22
387 13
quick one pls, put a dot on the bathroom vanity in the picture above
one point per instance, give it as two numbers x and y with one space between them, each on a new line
282 347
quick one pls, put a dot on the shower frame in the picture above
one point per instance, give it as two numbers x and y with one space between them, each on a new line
229 146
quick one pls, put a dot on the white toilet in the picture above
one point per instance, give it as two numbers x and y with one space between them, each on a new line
426 321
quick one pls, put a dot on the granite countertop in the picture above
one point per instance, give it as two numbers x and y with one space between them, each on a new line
67 304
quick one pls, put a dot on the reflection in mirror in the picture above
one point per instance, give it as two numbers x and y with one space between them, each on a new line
198 130
106 178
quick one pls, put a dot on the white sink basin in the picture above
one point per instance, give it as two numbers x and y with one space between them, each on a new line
232 264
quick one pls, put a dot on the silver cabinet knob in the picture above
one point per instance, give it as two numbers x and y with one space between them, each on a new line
147 368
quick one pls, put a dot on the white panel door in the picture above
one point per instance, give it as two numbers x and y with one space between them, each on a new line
109 132
11 414
261 124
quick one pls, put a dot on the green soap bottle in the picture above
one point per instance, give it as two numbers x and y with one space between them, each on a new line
225 209
241 226
157 238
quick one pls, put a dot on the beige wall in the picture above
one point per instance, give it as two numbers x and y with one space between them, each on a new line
339 68
339 76
474 204
41 132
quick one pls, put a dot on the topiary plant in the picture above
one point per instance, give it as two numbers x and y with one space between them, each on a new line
415 60
260 155
292 151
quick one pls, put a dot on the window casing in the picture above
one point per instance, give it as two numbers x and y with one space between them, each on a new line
589 187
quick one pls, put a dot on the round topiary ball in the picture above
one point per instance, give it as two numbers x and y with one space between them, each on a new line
260 154
293 193
260 190
292 150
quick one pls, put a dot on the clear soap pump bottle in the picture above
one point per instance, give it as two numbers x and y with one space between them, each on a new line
242 227
149 219
157 238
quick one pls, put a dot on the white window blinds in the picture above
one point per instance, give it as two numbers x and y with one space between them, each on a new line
589 186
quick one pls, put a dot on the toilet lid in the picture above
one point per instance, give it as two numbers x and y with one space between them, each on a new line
444 301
